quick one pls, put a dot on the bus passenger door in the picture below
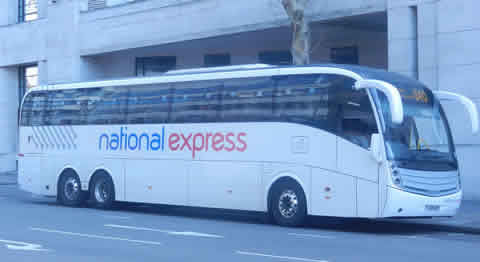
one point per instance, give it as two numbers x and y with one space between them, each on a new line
355 125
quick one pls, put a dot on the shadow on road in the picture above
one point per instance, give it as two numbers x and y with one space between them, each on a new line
365 226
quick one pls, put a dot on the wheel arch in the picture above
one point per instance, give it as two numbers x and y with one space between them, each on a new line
97 171
285 176
65 170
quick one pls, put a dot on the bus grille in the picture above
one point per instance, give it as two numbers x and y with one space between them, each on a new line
429 183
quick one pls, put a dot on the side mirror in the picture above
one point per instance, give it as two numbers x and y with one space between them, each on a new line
376 148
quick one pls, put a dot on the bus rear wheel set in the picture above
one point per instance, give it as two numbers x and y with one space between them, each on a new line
287 205
101 193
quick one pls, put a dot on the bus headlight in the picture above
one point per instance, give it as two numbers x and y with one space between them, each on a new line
397 181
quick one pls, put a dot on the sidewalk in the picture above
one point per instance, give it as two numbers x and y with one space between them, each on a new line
8 178
466 221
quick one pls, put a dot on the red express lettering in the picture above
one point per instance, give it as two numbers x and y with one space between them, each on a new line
172 142
242 142
217 143
196 146
207 142
231 145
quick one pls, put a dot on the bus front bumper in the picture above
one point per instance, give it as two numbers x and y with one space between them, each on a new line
404 204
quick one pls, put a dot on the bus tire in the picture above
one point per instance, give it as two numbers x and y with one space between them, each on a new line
288 205
102 191
70 190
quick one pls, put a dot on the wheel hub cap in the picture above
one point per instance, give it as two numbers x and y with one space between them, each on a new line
288 204
101 192
72 188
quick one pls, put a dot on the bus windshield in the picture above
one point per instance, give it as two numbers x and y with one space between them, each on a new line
423 141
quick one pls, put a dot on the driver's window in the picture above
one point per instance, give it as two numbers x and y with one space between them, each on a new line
354 116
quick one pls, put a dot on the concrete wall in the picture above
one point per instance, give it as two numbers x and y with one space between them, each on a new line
441 48
148 23
8 118
190 54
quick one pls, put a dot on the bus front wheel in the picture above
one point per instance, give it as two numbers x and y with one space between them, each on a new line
102 191
70 190
288 205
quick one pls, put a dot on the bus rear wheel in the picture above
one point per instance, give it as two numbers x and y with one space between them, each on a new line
102 191
70 190
288 205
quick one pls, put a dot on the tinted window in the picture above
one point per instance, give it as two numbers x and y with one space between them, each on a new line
328 102
283 57
33 108
354 116
65 107
304 99
344 55
149 104
150 66
217 60
107 105
196 102
247 100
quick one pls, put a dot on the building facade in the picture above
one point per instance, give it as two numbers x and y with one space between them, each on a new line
57 41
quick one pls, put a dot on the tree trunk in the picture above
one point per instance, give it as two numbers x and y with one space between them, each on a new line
295 10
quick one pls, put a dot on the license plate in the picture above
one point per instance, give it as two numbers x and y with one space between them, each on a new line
432 207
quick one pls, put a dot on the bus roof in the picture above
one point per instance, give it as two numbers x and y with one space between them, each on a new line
249 70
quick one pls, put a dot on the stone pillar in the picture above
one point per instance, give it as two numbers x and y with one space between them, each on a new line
8 118
63 34
427 44
402 40
458 63
42 8
8 12
42 73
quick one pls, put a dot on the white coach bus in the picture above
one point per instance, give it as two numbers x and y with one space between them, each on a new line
326 140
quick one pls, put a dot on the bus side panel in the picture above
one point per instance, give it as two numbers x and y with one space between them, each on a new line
356 161
367 198
333 194
156 181
31 176
231 185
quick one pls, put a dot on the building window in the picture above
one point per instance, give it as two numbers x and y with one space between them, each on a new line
344 55
27 10
28 78
275 57
150 66
217 60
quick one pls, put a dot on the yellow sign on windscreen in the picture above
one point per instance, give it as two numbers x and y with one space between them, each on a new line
418 95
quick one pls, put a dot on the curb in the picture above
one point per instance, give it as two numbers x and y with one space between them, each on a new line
8 178
451 228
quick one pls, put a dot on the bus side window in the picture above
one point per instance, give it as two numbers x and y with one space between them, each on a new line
27 110
355 118
247 100
111 106
35 104
63 108
149 104
301 99
196 102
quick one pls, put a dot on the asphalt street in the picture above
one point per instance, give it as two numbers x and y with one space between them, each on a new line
37 229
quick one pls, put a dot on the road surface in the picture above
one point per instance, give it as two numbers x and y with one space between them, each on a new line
38 229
